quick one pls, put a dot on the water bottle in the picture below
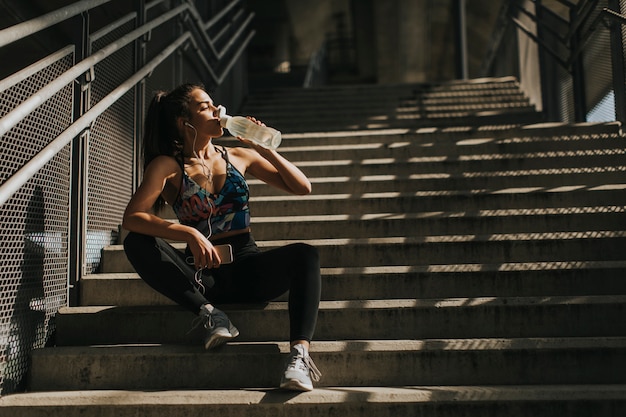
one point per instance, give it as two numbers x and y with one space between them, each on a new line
264 136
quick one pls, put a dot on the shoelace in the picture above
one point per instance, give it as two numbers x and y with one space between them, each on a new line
205 319
306 364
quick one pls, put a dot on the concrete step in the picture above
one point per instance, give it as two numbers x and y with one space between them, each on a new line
478 317
423 150
436 223
543 361
405 282
512 116
466 165
489 83
444 203
372 225
448 201
372 91
439 183
369 99
488 139
328 110
428 250
442 401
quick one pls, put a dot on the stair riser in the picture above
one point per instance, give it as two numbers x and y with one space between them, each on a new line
372 94
460 203
403 149
169 326
460 283
282 408
437 227
443 142
220 370
367 145
429 253
518 116
394 108
455 167
492 182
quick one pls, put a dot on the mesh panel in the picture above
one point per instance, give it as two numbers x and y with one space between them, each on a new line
110 153
598 71
565 93
34 226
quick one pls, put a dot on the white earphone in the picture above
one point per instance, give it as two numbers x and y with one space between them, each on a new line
189 124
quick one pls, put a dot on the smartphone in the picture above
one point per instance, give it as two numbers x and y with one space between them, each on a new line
225 252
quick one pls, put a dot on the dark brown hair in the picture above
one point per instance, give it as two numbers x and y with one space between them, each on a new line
161 135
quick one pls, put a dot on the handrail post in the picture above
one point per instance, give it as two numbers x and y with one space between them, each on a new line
140 94
617 63
78 196
461 40
578 76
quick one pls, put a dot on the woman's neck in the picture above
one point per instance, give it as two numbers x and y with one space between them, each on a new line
202 151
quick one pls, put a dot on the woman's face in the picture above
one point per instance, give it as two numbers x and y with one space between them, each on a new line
203 115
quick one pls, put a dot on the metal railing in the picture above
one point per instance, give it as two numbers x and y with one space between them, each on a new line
581 54
70 127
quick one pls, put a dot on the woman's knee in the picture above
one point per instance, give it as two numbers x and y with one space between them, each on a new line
136 244
305 258
304 253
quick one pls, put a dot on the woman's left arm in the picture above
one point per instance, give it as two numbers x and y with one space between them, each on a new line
274 169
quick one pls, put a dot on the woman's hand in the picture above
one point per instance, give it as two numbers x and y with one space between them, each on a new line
249 142
204 253
270 167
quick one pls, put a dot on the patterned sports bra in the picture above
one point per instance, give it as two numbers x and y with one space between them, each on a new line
213 213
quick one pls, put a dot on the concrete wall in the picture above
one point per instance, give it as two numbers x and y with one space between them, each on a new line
400 31
391 41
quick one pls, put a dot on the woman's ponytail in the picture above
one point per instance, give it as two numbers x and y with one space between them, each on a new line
161 135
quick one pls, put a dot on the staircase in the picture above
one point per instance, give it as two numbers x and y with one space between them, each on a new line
473 265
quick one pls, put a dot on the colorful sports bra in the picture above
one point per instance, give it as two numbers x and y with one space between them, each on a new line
214 213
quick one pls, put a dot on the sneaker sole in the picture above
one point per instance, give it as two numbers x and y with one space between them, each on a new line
295 385
220 336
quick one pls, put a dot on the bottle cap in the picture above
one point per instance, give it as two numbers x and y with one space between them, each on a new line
221 114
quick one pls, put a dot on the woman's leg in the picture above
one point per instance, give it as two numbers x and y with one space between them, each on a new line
264 276
164 268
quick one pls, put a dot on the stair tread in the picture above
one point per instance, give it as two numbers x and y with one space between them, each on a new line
439 303
397 346
326 395
430 268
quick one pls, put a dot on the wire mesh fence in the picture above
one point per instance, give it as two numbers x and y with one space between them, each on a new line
54 227
34 229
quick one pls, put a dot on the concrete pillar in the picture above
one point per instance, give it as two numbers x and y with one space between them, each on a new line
401 30
365 39
309 23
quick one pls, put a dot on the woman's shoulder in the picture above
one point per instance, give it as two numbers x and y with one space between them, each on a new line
165 161
240 152
164 165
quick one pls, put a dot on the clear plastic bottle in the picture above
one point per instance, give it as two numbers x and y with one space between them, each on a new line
264 136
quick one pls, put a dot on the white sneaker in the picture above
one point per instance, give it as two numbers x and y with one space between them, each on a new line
299 371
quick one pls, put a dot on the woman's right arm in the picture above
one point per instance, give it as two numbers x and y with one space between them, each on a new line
138 217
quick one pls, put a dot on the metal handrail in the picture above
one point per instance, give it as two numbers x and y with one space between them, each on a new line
24 29
17 180
613 15
11 119
20 76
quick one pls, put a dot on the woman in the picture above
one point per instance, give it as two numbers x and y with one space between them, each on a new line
204 184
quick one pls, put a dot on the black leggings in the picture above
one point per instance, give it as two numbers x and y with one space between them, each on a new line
254 276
